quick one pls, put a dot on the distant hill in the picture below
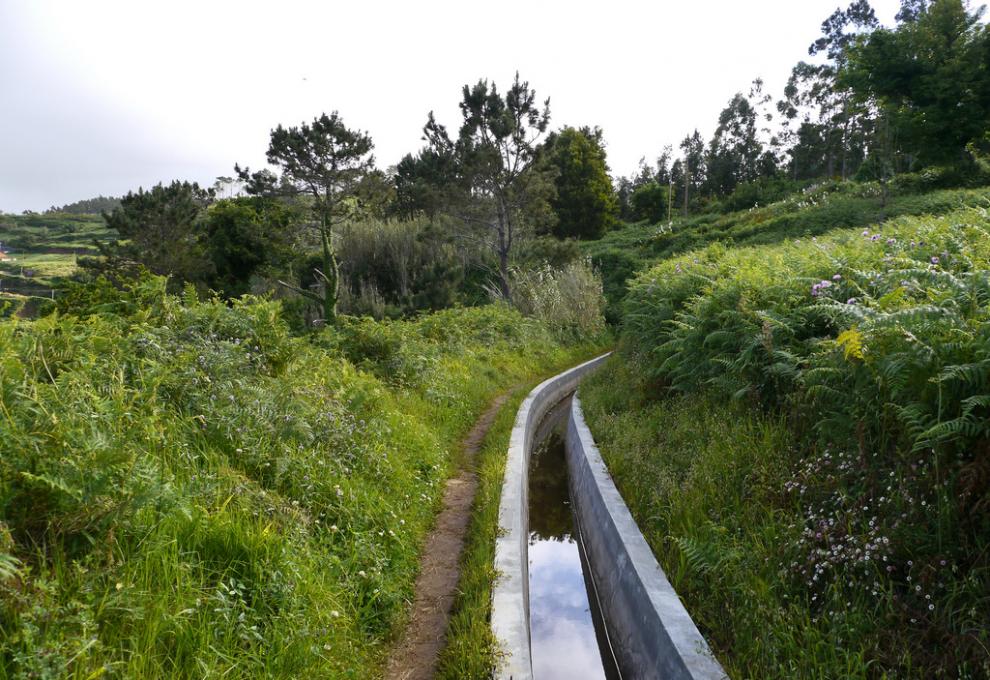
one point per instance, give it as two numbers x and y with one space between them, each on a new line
89 206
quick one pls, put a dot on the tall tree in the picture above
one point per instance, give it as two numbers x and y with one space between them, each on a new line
691 169
160 229
328 162
500 185
844 119
735 151
931 75
585 205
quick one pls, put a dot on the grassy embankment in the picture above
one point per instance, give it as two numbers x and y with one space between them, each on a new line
812 212
188 491
802 431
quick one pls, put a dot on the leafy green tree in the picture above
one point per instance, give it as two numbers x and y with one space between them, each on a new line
586 205
931 75
248 237
824 124
421 182
161 230
688 172
734 152
329 163
650 201
500 186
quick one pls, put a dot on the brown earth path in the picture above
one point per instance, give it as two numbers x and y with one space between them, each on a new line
417 652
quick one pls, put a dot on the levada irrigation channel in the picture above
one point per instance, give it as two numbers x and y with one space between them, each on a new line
569 637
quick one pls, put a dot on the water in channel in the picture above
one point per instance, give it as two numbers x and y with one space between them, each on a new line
569 641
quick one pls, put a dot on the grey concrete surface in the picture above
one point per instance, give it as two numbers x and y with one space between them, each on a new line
510 597
651 632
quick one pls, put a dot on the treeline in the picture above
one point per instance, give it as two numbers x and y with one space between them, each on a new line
89 206
327 230
457 221
877 102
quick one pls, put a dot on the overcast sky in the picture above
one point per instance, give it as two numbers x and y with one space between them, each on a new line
104 96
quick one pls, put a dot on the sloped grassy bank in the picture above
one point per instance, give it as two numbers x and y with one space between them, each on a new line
814 211
187 491
802 430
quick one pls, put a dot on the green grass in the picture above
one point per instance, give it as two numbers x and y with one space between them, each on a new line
43 266
471 648
43 248
703 480
831 392
188 491
30 233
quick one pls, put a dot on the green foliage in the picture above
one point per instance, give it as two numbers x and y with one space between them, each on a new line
873 344
186 489
930 76
395 268
814 211
330 164
585 204
248 239
160 229
567 300
705 480
89 206
501 185
759 192
650 202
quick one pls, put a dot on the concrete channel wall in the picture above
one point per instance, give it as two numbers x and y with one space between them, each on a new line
510 597
651 633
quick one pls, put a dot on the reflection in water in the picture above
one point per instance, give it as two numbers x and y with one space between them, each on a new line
564 642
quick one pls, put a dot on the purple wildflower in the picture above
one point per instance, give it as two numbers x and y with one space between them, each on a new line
935 259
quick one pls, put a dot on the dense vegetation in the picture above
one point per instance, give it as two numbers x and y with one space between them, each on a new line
812 211
849 534
212 465
187 489
875 102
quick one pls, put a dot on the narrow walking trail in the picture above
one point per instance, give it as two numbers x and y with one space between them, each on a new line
416 654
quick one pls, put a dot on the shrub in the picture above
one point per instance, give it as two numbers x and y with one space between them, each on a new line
568 300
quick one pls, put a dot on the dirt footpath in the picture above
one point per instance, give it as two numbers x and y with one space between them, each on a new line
415 656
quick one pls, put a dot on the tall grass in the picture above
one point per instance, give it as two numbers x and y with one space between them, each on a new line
567 299
186 490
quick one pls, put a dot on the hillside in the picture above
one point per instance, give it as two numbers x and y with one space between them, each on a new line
798 418
188 490
42 250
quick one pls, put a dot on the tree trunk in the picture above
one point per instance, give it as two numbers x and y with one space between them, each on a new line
331 276
504 248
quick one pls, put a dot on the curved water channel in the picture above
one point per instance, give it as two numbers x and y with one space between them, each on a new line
569 637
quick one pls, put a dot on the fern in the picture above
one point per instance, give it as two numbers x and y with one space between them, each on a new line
851 342
10 566
701 556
